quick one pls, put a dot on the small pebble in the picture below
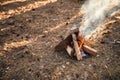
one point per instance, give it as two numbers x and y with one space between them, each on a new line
67 63
45 32
8 68
42 36
107 59
63 66
90 65
98 55
82 64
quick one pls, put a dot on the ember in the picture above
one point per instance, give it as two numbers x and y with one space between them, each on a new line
76 45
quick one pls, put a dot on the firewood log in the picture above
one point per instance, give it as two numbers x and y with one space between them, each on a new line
77 50
89 50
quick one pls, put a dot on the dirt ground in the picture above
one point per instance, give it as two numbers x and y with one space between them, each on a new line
29 31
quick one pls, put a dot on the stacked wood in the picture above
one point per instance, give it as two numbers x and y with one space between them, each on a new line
75 44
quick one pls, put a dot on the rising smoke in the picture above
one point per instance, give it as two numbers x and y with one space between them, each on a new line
96 11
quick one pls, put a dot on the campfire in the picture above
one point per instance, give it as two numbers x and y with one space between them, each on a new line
76 45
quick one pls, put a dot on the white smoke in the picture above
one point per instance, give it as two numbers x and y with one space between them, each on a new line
95 13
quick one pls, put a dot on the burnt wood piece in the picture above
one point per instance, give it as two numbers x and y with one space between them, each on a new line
64 43
89 50
76 46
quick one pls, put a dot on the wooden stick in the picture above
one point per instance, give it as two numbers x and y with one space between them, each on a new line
77 50
89 50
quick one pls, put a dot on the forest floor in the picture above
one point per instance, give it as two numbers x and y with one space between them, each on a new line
30 30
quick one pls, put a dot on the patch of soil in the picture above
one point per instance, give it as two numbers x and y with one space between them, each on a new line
28 37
